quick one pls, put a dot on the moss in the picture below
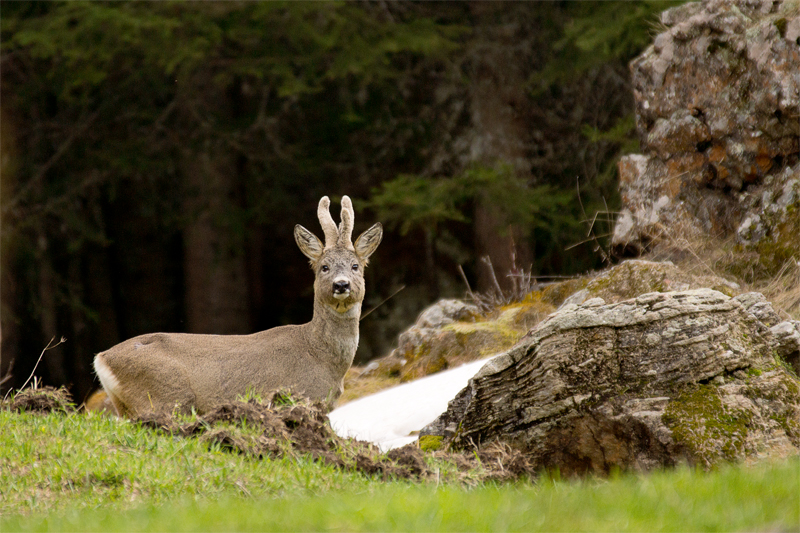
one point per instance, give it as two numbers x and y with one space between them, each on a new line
753 371
781 25
430 443
419 352
784 365
489 336
629 280
710 431
785 393
522 316
435 365
556 293
724 289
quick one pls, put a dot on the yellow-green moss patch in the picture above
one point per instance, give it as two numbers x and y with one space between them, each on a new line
479 339
709 430
556 293
430 443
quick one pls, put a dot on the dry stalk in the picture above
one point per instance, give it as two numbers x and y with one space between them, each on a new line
592 237
48 347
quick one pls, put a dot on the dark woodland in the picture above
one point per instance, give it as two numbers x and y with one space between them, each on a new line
156 157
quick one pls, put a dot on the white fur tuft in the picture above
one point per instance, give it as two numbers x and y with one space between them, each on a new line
107 378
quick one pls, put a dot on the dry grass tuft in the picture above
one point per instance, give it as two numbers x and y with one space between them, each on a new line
41 400
725 258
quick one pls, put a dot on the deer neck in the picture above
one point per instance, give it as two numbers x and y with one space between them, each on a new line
337 333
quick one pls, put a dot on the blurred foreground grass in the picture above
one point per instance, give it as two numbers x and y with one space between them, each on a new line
81 472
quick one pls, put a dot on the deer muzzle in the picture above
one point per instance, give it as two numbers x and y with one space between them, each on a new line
341 289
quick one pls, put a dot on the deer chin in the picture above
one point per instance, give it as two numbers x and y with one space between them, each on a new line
343 306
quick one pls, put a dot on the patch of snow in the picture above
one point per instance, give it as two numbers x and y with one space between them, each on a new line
388 418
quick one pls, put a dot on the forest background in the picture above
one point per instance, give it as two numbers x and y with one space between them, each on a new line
156 156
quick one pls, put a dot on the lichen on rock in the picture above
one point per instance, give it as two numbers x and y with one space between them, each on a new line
716 98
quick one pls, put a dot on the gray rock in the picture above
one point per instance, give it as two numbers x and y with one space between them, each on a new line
716 98
757 305
787 342
648 382
445 312
575 299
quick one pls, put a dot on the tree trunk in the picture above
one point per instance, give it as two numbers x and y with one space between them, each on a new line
79 351
48 286
214 254
499 130
431 275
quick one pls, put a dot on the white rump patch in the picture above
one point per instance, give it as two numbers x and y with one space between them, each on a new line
107 378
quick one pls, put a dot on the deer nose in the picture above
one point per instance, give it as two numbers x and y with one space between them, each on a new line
341 287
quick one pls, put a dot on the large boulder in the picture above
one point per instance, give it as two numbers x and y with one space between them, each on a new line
717 98
685 376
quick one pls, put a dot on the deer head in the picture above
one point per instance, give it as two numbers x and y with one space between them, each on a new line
339 263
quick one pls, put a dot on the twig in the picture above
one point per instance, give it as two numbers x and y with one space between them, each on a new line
592 238
603 254
383 302
48 347
464 277
8 372
488 261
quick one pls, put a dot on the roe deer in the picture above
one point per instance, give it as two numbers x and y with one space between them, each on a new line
159 371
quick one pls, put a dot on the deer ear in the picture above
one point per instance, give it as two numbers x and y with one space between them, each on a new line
309 244
368 241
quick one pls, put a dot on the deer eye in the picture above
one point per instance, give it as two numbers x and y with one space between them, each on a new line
325 268
355 267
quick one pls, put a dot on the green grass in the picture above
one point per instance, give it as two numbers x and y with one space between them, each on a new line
90 473
56 462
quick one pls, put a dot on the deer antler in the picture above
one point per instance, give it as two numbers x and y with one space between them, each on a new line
346 226
327 223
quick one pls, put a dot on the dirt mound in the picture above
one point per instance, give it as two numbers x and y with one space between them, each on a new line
42 400
264 430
